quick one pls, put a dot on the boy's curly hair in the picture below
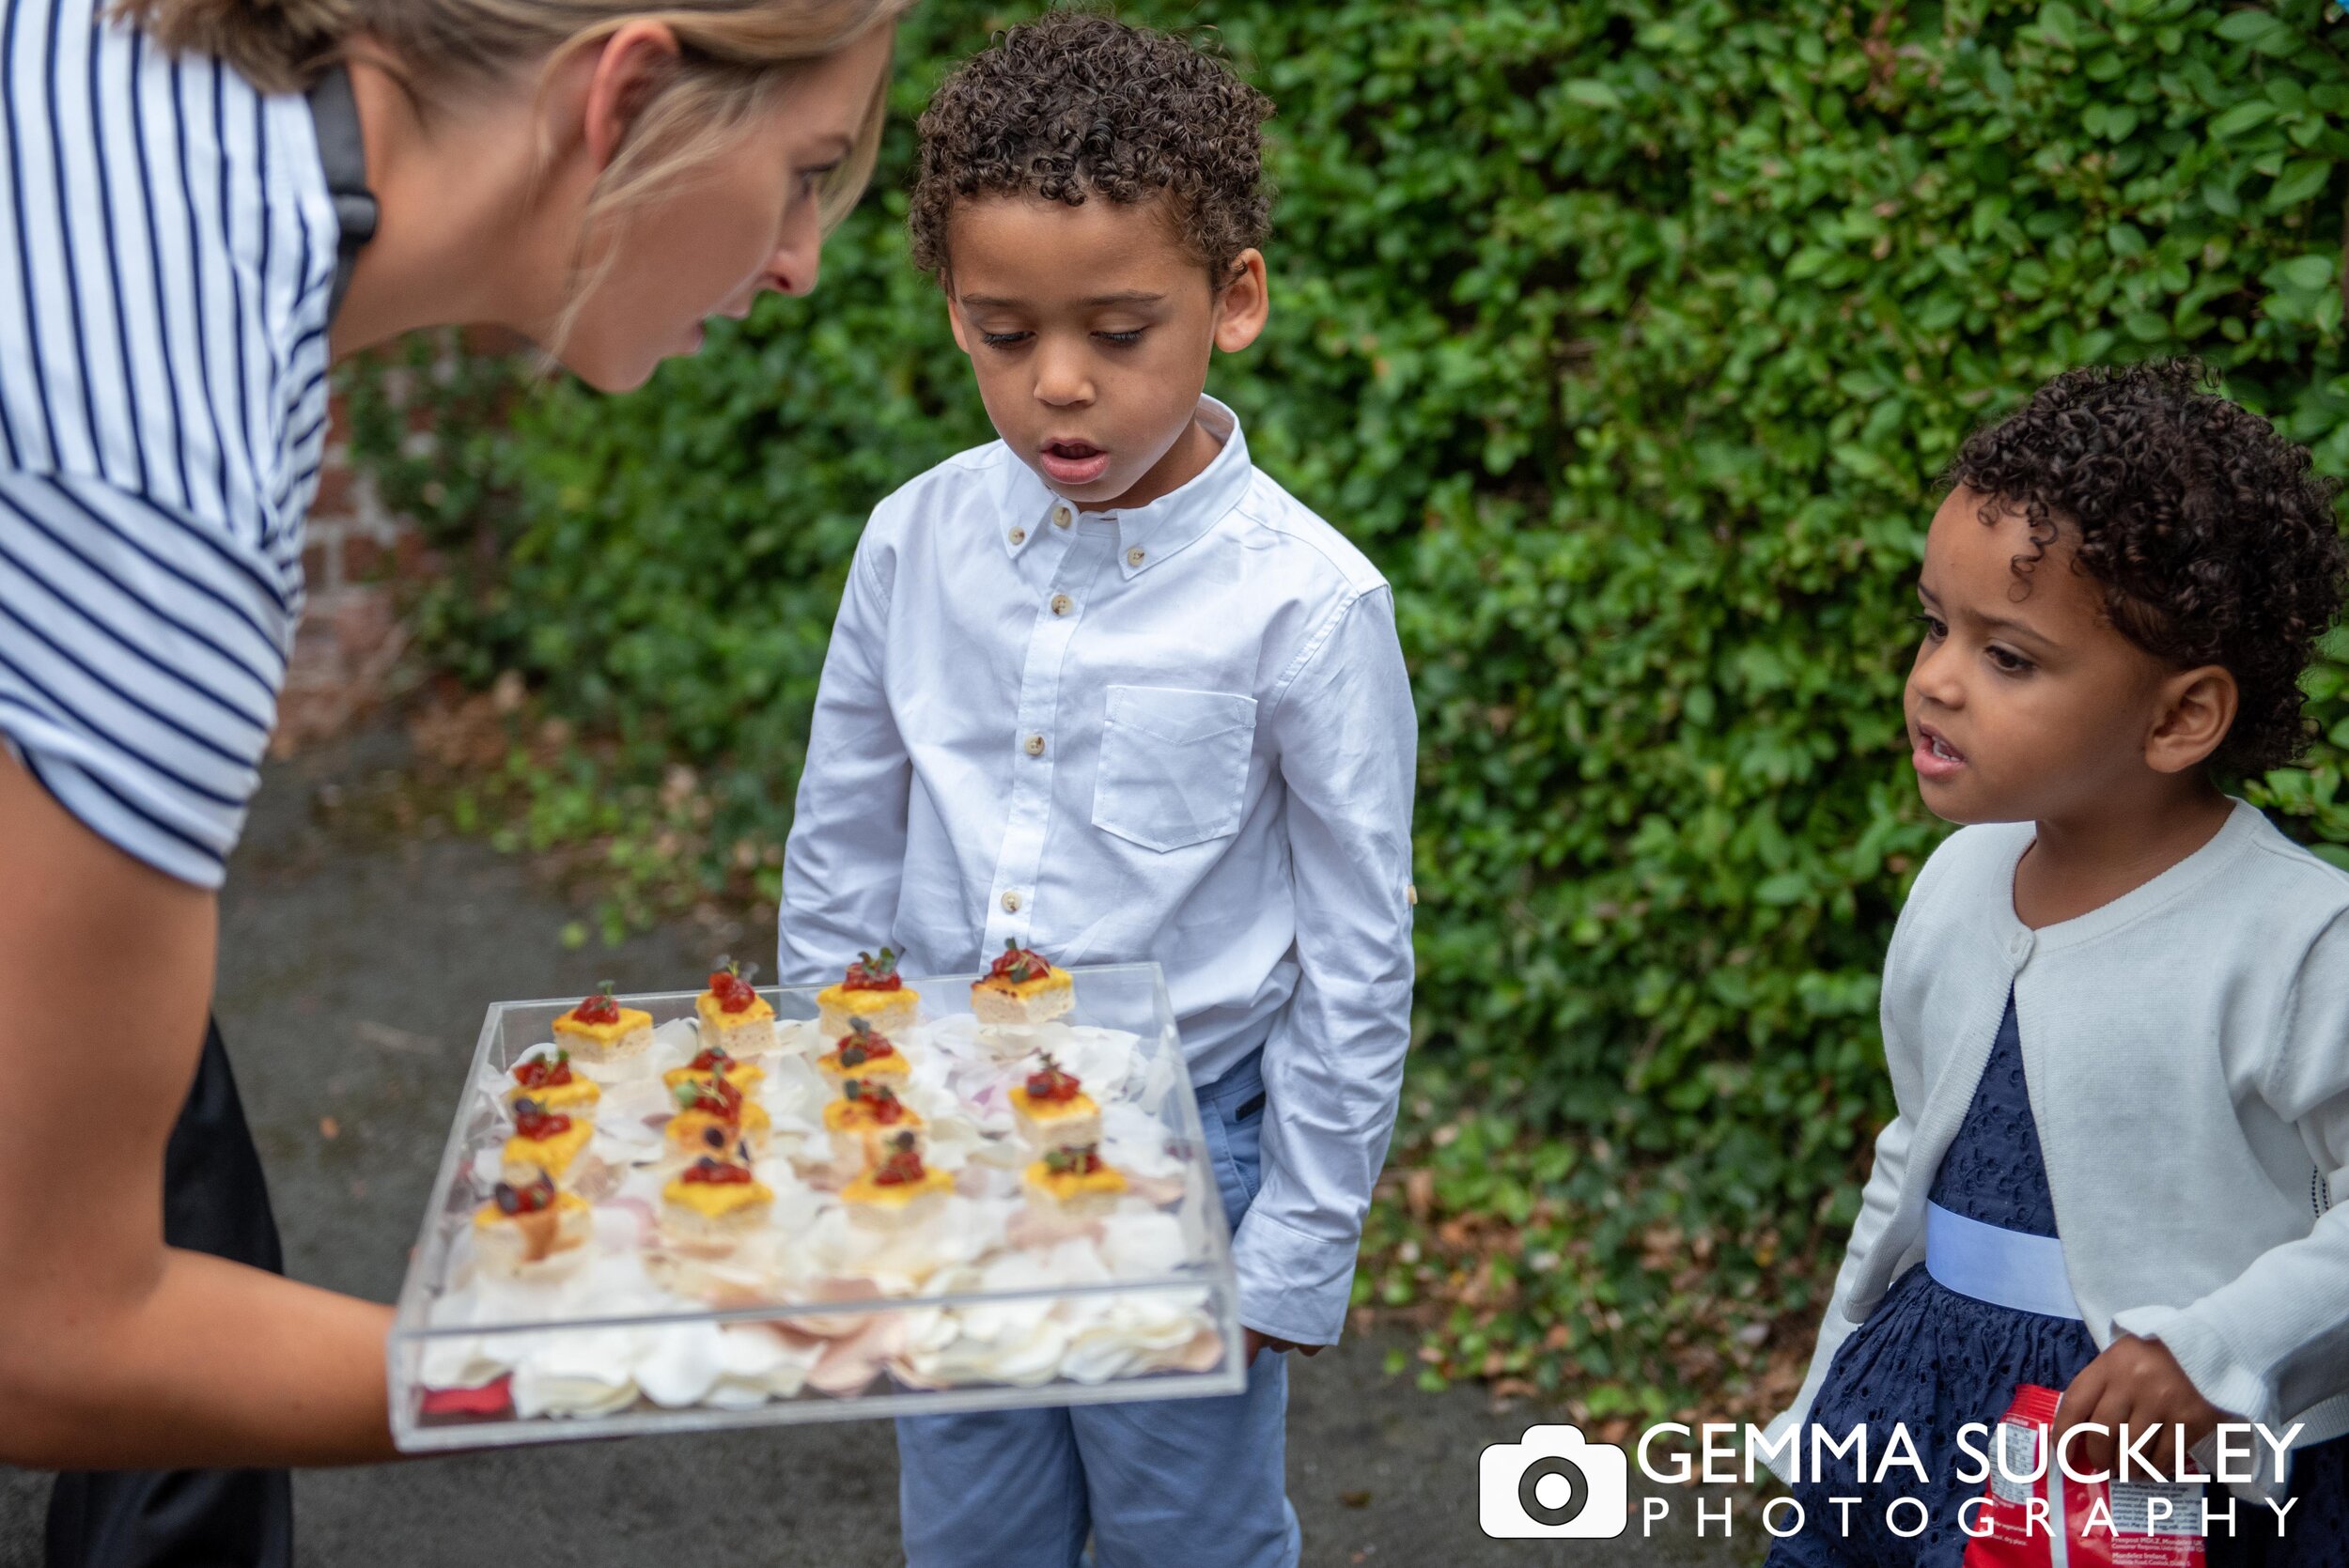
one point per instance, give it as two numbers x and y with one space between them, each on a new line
2214 541
1075 106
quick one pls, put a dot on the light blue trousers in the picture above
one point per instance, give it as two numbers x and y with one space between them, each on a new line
1166 1483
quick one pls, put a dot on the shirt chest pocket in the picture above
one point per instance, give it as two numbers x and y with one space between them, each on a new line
1174 765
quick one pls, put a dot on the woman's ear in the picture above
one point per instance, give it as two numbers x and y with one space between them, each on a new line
632 62
2198 707
1242 303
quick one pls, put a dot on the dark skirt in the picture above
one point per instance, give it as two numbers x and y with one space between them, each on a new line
1932 1360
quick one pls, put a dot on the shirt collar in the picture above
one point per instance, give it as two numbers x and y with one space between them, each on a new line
1145 535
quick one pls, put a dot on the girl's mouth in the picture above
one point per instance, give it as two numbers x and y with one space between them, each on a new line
1933 755
1074 463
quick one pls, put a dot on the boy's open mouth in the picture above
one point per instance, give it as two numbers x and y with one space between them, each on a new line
1074 462
1933 756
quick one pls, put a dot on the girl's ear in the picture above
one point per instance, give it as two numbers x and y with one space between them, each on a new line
630 64
2198 707
1242 303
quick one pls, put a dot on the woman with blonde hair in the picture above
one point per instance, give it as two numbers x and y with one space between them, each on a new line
202 203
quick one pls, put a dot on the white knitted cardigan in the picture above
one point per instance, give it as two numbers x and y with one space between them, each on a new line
2187 1052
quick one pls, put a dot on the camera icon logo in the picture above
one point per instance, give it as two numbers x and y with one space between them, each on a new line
1553 1483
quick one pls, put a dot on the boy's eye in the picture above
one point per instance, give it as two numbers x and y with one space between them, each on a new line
1002 340
1934 628
1123 340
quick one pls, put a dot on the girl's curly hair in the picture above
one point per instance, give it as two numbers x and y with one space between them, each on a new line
1075 106
2212 540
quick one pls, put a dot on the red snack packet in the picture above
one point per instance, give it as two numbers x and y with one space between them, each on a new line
2053 1521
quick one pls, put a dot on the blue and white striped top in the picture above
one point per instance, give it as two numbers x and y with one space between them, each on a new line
167 256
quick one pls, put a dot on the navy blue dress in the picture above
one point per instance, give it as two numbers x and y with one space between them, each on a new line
1935 1360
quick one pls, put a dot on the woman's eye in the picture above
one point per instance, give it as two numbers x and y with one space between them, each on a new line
1122 340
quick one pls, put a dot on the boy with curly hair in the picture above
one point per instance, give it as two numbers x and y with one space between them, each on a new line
1103 688
2116 1009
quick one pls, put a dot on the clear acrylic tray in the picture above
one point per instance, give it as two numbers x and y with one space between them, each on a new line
985 1301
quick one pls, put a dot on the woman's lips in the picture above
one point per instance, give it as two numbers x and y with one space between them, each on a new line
1935 758
1073 462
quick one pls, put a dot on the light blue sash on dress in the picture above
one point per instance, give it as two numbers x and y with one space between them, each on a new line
1990 1262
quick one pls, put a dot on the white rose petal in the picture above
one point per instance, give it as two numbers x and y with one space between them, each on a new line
678 1363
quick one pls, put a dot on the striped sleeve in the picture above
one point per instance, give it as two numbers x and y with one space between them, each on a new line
140 662
167 258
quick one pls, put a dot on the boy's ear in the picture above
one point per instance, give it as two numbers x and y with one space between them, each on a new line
2198 707
1242 303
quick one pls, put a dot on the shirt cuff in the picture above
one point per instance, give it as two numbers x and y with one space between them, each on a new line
1292 1286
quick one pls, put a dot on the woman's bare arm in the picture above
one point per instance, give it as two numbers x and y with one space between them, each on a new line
117 1351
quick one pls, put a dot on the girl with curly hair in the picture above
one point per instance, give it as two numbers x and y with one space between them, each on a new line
2116 1007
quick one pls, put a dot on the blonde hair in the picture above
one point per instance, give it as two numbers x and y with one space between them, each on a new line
734 58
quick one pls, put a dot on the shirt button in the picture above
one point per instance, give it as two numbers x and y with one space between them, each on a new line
1062 517
1063 604
1019 535
1035 745
1134 556
1011 903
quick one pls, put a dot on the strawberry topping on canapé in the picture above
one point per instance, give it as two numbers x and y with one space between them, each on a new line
1051 1084
716 1173
731 985
903 1168
711 1059
1019 965
871 973
880 1102
718 1096
536 1124
545 1072
863 1044
601 1008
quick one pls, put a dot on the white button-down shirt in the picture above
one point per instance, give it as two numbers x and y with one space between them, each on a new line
1183 733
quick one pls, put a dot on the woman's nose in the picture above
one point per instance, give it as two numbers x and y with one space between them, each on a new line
793 267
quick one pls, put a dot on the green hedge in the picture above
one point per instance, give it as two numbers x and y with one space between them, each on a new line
1628 338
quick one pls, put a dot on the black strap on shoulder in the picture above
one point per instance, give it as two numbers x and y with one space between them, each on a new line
336 113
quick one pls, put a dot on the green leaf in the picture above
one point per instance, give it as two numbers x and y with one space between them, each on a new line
1595 93
2247 116
2302 178
2263 31
2308 273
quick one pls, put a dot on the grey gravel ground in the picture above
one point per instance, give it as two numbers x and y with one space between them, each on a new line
354 972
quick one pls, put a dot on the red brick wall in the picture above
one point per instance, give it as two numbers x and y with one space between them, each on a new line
351 638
